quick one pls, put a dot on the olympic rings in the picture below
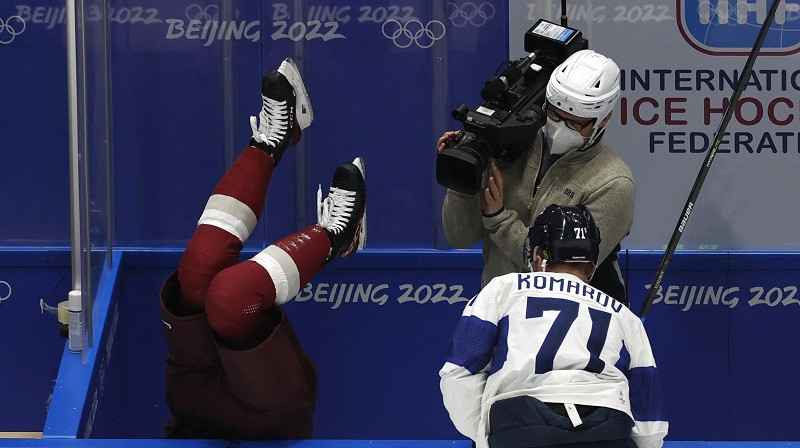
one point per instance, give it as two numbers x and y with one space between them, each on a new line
197 12
13 26
469 12
413 32
4 283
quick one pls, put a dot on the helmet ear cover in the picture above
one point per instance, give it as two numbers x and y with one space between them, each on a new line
537 236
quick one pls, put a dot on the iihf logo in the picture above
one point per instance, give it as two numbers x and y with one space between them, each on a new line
730 27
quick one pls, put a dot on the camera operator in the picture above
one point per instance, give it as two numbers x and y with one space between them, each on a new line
569 163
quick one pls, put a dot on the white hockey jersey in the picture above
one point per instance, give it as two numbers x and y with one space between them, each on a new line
553 337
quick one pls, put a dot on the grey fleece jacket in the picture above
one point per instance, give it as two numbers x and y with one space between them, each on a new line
596 177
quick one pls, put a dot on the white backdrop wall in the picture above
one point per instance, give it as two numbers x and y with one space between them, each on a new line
680 62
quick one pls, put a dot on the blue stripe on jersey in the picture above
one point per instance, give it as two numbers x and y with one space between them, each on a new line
597 339
645 393
501 351
624 361
473 343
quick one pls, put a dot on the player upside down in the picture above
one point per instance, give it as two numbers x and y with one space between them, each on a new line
234 368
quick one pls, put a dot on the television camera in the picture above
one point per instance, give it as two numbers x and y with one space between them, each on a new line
506 124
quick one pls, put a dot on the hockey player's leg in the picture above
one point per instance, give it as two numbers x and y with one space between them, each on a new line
277 273
237 201
230 215
265 366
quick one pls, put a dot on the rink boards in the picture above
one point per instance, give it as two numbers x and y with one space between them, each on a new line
378 326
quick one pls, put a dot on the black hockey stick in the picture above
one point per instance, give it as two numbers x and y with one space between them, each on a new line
701 176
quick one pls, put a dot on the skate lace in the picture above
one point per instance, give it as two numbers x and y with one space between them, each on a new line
274 119
335 211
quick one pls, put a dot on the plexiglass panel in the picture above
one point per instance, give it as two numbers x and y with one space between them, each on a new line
382 79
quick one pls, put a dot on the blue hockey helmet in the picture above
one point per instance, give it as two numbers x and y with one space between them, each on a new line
564 233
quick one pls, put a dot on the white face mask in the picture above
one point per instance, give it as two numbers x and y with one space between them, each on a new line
561 138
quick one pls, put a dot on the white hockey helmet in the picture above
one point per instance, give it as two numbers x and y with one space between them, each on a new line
586 84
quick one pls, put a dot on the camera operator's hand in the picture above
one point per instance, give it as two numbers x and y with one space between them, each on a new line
493 193
447 140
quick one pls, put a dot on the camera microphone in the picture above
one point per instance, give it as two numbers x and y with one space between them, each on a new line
510 75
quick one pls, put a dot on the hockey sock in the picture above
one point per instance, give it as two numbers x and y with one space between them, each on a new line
230 215
240 298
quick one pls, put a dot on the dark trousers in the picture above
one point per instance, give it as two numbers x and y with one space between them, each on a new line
213 392
525 422
607 279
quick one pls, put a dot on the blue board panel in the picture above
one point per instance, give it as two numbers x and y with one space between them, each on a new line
378 326
30 343
691 348
723 331
151 443
360 320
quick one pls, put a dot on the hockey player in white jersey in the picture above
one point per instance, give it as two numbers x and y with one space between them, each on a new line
542 359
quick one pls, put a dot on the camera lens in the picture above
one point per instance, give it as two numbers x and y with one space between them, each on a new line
461 168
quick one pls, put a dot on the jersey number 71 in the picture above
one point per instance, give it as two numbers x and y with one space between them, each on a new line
567 313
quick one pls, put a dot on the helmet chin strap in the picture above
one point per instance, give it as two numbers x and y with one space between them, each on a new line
592 275
595 133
